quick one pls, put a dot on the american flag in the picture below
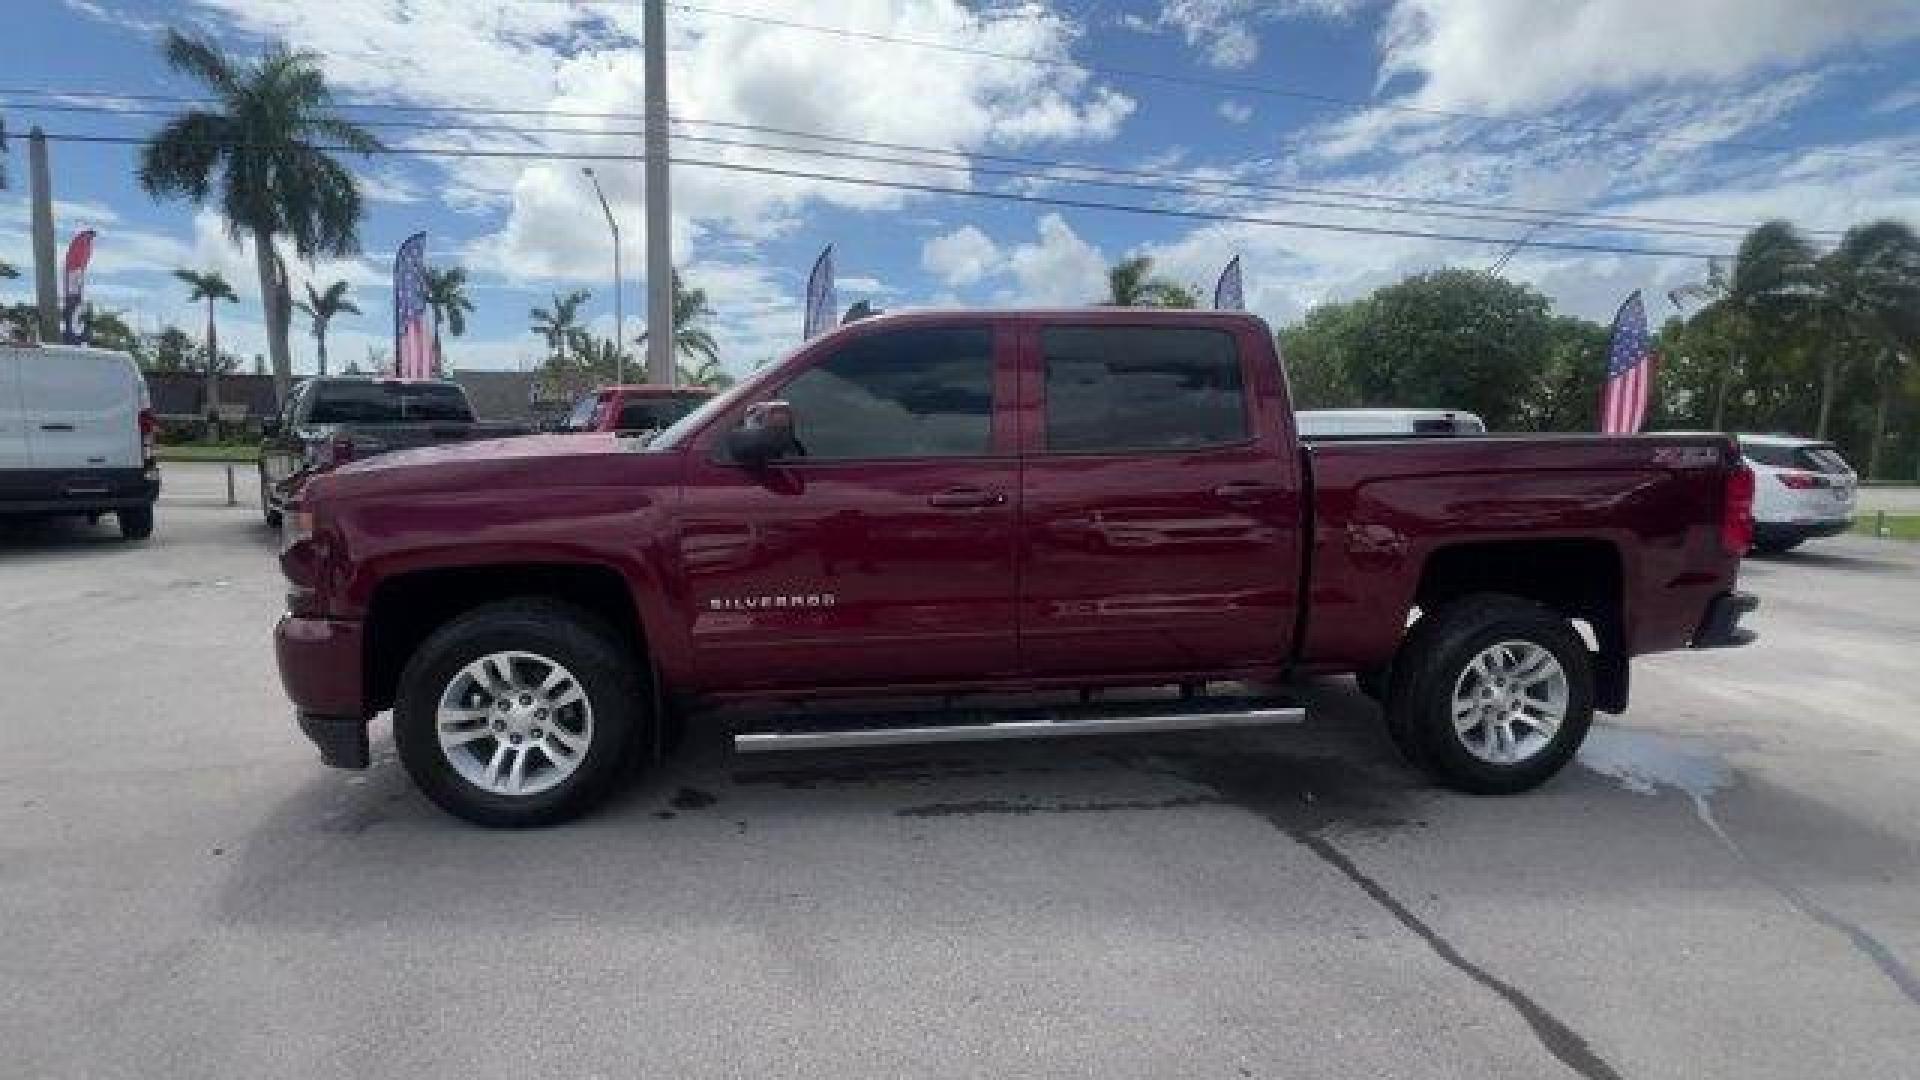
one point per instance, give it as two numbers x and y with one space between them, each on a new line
1630 363
412 342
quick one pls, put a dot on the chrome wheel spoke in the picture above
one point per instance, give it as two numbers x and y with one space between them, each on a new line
1509 701
514 699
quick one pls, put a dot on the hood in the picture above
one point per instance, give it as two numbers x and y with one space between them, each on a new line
547 461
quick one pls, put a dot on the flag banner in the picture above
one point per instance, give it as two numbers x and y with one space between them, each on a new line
74 281
1227 292
412 340
1630 364
822 308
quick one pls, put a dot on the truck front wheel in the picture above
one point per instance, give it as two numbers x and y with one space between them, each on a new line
1492 694
519 713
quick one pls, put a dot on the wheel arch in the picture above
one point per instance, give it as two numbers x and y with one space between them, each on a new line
1582 578
407 607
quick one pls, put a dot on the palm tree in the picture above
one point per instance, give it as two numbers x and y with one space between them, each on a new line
209 286
321 307
597 356
1766 295
263 145
559 323
1871 302
447 296
1131 283
706 373
691 338
1869 292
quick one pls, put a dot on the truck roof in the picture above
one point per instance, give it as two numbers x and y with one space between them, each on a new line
1092 313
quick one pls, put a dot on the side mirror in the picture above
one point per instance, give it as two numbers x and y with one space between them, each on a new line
765 434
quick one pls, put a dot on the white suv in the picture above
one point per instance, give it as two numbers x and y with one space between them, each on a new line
1802 488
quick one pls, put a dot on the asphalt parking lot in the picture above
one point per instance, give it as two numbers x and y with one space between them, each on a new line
1727 885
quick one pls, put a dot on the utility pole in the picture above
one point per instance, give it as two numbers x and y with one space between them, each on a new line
619 287
46 290
659 221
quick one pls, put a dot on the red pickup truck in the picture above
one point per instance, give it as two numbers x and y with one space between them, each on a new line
1041 506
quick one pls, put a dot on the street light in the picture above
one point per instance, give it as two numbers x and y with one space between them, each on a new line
619 316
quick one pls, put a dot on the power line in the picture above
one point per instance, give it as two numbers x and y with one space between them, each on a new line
1237 87
936 189
1173 183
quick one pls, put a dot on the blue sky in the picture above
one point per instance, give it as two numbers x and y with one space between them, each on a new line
1722 111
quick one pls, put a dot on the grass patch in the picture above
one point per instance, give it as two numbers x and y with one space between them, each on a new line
209 452
1899 526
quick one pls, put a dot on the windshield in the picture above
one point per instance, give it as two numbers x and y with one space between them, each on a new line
695 420
388 403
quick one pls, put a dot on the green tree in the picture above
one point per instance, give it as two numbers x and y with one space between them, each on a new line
596 357
1132 283
707 372
447 296
1869 292
172 349
1459 339
263 145
105 329
210 286
558 324
691 338
320 307
7 270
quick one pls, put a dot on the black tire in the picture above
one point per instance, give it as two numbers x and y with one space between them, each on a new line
1430 663
136 523
267 513
606 672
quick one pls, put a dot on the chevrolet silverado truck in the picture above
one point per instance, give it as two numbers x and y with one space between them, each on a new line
328 422
1022 517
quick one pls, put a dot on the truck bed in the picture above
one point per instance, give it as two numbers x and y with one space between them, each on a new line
1381 510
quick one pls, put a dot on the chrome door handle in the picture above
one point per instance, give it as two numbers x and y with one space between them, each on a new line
965 498
1247 489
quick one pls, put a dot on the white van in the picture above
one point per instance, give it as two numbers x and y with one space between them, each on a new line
1385 423
76 436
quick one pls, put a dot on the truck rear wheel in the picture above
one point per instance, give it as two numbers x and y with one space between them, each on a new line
1492 694
519 714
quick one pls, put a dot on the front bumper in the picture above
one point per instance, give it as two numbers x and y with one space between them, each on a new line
1720 628
321 668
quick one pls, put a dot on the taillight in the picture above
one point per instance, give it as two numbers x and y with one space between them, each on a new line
1802 481
1736 512
149 428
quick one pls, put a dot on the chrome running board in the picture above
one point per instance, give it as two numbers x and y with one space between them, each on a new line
1034 722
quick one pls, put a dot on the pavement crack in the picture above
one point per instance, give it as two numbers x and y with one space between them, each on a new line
1559 1040
1896 971
1303 798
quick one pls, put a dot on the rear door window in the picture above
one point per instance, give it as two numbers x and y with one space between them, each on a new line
655 414
1129 389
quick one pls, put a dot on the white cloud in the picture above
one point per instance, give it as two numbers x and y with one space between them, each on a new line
1901 100
960 257
1518 55
1235 112
1060 268
1227 32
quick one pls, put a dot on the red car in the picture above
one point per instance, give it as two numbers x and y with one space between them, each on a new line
1036 505
641 407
